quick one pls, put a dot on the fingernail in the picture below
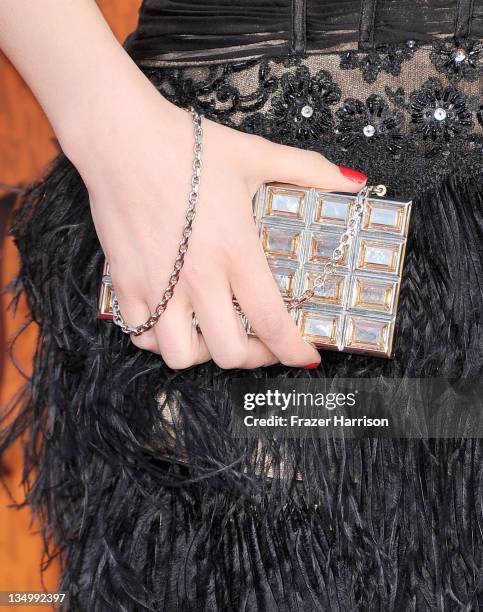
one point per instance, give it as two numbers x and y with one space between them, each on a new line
353 175
312 366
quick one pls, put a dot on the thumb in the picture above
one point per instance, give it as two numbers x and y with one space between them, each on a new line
310 169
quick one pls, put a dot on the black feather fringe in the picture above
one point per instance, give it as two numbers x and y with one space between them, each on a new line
393 525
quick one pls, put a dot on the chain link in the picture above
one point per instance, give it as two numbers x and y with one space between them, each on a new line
117 317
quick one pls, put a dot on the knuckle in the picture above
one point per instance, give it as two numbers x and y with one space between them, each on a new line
178 359
293 361
264 148
146 342
124 287
153 283
298 354
269 326
232 359
142 341
196 277
257 155
250 145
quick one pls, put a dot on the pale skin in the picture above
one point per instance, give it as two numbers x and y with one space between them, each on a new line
133 150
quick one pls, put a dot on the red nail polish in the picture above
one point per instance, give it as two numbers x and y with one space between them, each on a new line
353 175
311 366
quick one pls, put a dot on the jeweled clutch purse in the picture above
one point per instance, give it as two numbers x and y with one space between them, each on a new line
346 253
337 259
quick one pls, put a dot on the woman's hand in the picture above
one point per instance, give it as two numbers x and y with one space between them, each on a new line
139 195
134 152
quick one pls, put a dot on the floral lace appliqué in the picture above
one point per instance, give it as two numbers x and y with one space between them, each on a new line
386 58
361 122
463 60
394 135
439 112
302 108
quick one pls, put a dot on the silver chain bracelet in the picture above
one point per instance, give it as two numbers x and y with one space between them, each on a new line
117 317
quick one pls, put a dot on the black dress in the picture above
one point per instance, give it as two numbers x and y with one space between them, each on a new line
146 519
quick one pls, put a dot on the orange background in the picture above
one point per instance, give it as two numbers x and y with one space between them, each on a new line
26 145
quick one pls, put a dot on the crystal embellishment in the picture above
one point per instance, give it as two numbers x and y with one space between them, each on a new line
440 114
307 111
368 335
459 55
378 256
369 131
332 292
317 326
331 212
284 277
355 310
285 203
370 294
278 241
379 216
322 246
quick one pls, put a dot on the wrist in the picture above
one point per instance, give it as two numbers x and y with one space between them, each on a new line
111 117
